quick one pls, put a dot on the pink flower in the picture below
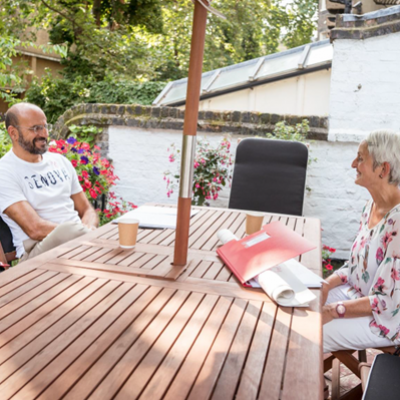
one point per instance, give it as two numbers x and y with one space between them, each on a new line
379 285
375 306
395 274
196 164
379 255
383 329
329 267
387 239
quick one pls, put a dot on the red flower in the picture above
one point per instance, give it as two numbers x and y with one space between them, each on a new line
85 174
85 146
87 184
80 178
93 193
329 267
105 163
74 163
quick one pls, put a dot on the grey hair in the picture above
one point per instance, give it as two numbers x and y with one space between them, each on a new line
384 146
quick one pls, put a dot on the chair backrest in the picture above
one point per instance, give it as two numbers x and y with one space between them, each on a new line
7 249
383 381
269 176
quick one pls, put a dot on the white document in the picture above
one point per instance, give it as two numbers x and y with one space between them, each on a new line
154 217
281 285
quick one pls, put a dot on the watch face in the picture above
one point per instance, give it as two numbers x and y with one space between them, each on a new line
341 309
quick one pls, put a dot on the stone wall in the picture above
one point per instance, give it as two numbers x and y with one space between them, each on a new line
135 116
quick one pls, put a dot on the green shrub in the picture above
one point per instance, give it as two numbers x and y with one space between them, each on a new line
56 95
5 141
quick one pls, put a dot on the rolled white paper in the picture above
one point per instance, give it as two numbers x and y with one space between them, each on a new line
225 236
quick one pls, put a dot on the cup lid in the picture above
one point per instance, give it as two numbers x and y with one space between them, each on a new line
128 220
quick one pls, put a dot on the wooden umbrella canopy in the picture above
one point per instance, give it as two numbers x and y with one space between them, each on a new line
190 129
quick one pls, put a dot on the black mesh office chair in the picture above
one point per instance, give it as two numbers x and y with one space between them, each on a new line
7 249
269 176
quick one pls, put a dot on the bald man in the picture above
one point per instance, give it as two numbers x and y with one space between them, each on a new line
41 199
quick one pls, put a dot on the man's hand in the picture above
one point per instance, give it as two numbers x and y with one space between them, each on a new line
85 210
28 219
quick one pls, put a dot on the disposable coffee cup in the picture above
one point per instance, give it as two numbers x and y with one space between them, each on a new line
254 222
128 229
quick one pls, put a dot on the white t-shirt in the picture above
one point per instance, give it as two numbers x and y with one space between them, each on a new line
47 186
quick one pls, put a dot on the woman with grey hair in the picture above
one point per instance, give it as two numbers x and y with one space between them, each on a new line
362 299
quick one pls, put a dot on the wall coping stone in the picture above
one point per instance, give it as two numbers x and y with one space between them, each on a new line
131 115
359 27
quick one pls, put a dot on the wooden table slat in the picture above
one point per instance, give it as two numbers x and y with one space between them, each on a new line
274 368
61 282
208 375
52 322
250 381
110 385
82 365
164 375
231 372
127 295
37 317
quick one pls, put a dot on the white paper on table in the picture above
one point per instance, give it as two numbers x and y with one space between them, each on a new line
306 276
281 285
154 217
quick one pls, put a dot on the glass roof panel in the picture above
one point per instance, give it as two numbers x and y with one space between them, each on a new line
177 92
283 63
320 54
231 76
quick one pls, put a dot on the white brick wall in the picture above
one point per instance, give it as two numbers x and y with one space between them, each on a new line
140 158
365 87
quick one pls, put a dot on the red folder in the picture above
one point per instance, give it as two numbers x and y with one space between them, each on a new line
274 244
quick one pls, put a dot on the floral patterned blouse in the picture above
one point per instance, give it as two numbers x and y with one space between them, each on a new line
374 270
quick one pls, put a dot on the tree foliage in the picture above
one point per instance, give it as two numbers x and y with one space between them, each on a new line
107 43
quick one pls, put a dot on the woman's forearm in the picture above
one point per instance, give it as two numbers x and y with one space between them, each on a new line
332 282
354 309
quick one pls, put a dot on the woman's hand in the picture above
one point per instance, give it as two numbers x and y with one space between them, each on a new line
326 314
324 292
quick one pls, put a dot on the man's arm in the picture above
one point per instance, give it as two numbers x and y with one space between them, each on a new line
85 210
28 219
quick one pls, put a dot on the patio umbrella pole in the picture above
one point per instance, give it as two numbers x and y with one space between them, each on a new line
189 133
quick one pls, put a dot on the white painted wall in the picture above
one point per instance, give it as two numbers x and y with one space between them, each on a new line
141 156
301 95
365 88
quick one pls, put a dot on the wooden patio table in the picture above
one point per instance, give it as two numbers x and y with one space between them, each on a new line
90 320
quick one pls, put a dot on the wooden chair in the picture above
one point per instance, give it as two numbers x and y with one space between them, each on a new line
269 176
333 360
7 249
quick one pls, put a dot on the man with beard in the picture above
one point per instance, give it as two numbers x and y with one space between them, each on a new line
41 199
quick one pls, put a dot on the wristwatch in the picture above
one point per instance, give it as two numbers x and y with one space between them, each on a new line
340 309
